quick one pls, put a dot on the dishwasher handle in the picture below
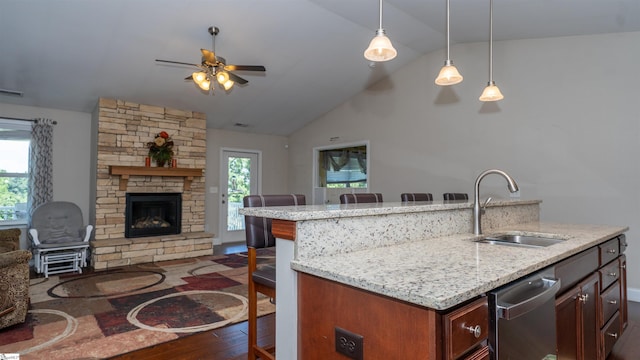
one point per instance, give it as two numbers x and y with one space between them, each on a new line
546 292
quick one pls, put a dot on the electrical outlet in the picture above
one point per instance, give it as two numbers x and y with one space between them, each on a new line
348 343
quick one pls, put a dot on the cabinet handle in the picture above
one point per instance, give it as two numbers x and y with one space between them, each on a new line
624 266
613 274
584 298
613 335
611 251
475 330
613 302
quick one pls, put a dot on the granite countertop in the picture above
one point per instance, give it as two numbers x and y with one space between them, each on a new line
317 212
442 272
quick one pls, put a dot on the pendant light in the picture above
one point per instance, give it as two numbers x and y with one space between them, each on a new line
491 92
380 48
448 75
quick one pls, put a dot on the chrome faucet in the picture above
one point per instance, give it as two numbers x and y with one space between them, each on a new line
513 187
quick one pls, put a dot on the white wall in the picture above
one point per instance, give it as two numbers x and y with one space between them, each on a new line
567 130
275 159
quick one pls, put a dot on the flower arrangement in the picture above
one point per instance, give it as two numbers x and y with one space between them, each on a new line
161 148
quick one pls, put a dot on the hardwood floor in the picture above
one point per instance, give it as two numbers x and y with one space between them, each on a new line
230 342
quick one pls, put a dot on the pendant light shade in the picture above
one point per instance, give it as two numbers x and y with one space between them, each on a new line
380 47
491 92
448 75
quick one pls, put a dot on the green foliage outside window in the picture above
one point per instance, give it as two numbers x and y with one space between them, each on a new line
239 178
13 190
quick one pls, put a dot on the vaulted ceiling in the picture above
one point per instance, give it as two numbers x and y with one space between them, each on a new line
65 54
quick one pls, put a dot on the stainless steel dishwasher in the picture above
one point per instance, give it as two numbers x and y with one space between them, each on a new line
523 318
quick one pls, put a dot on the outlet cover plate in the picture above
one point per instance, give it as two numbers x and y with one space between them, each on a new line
349 344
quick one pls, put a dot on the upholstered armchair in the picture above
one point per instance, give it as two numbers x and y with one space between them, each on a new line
14 279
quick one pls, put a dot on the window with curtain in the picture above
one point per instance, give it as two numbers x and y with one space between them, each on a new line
343 167
14 171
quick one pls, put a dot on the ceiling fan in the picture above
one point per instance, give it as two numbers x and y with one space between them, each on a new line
215 67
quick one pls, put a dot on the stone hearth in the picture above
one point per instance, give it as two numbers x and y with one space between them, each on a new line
123 130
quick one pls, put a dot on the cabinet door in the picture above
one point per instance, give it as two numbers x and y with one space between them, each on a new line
577 328
588 302
568 323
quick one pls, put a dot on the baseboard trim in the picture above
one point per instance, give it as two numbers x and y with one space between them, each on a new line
633 294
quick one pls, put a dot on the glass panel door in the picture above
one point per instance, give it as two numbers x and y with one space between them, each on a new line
240 178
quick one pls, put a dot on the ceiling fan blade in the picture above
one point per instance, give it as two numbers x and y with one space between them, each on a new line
176 62
209 57
237 79
190 77
244 68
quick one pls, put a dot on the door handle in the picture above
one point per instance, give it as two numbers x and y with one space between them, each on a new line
546 291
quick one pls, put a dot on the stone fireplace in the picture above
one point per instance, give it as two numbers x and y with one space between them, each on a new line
123 129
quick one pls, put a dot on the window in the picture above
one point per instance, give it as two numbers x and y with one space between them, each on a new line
14 171
344 167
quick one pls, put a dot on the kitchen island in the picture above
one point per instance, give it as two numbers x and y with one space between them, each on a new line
421 253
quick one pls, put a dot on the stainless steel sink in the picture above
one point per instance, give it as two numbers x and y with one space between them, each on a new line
520 240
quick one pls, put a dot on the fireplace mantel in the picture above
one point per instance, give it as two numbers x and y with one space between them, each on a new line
125 171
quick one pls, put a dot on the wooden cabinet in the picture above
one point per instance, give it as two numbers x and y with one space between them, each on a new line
577 326
391 329
591 316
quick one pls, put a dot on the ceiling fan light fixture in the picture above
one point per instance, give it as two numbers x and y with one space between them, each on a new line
380 47
199 77
228 85
222 77
205 84
214 68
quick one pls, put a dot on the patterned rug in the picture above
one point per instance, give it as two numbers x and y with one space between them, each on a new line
102 314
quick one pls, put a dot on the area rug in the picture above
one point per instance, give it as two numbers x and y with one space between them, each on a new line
106 313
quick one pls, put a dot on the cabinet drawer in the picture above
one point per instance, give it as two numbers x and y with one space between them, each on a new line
609 274
623 243
609 303
480 354
609 335
570 271
465 328
608 251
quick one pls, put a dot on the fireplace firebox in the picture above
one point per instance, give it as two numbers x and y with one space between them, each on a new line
153 214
